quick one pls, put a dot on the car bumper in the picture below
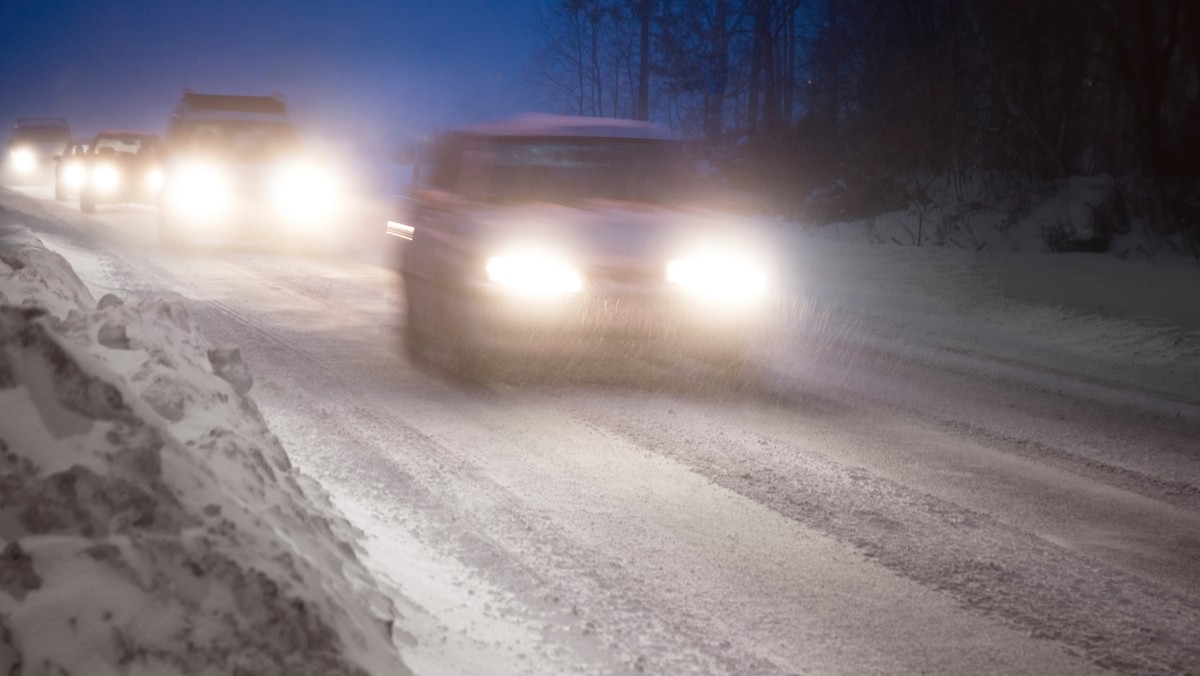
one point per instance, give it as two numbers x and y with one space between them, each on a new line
660 319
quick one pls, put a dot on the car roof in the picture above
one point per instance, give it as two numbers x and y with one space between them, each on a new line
117 133
40 122
192 101
545 125
195 106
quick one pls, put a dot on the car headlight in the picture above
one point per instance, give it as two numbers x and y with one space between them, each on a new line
305 191
105 178
74 175
199 190
719 275
24 160
534 273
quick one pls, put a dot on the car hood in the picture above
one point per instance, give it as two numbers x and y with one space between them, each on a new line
605 232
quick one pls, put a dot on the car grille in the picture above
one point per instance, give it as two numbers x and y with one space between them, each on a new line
648 278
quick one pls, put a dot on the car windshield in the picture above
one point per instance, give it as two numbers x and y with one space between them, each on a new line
569 171
42 134
122 145
244 139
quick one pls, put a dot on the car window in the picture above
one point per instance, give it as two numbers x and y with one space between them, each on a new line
571 170
441 167
248 139
121 146
42 134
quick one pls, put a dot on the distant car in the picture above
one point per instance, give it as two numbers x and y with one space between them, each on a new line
70 169
32 144
122 166
236 169
545 233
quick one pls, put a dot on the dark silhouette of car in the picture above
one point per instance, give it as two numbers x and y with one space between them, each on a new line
236 169
122 166
545 234
32 144
70 169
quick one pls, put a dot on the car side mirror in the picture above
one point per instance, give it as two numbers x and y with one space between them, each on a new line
399 222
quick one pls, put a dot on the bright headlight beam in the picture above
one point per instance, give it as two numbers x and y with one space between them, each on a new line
534 273
718 276
24 160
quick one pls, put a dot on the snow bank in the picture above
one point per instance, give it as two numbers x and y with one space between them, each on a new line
1078 215
150 523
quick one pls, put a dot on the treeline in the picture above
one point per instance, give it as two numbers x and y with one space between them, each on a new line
798 96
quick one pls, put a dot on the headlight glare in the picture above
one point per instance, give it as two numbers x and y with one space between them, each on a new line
199 190
74 175
535 273
718 276
154 179
24 160
304 191
105 178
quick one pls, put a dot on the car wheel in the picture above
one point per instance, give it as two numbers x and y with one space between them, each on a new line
416 325
469 361
87 203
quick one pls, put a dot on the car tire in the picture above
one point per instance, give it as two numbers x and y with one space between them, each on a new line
415 340
470 362
87 203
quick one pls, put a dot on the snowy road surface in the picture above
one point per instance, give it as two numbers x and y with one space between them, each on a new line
928 481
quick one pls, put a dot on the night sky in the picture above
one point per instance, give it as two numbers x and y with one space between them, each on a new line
362 71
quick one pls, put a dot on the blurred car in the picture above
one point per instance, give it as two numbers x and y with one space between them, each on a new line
32 144
544 233
121 166
236 169
70 169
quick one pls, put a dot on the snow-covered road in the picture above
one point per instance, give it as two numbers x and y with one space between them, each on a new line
926 482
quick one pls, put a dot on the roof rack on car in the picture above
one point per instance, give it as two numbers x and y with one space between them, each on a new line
269 105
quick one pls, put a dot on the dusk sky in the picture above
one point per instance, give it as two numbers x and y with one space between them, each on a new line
390 68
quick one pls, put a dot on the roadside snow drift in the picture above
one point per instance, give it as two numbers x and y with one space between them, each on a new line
150 523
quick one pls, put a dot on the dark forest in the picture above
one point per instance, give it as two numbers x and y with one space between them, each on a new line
840 109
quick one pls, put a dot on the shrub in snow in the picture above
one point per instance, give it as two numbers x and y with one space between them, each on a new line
150 523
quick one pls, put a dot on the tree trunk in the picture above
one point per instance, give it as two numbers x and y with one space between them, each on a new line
643 93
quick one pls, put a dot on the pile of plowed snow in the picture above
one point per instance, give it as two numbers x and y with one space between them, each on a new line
150 523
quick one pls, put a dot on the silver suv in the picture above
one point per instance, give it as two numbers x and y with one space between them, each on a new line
545 234
235 168
32 146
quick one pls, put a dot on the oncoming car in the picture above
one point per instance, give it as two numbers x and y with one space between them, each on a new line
544 233
236 169
121 166
33 143
70 169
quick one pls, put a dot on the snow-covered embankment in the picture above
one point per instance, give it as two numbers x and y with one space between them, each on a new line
150 522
